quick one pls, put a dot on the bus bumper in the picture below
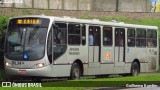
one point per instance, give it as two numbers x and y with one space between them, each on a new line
42 72
47 71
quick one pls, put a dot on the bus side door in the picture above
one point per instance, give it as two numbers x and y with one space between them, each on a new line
119 46
94 46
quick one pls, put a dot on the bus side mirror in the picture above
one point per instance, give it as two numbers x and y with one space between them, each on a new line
4 27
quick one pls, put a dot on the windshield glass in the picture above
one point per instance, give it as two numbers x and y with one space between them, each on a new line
26 40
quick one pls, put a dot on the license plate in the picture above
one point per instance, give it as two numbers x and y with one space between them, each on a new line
22 71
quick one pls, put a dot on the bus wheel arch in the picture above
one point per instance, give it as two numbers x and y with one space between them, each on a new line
135 68
78 66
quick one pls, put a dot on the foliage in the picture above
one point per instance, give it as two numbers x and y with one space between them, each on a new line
3 21
26 11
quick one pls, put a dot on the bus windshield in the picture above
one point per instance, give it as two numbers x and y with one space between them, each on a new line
25 40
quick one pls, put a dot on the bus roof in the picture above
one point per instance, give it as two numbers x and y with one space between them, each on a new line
92 21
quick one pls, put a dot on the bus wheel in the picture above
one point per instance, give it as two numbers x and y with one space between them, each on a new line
134 69
75 71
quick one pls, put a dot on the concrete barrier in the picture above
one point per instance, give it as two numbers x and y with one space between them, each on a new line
55 4
132 6
104 5
6 5
84 4
41 4
94 5
71 5
25 4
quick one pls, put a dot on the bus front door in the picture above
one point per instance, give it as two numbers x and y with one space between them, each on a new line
119 46
94 46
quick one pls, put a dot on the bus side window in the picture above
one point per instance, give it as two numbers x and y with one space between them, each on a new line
61 34
151 38
60 39
56 40
91 38
94 35
131 37
74 34
107 36
141 37
116 38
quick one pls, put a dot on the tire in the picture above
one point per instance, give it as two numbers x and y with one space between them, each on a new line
75 72
134 69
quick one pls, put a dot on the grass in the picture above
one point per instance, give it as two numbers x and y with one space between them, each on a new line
84 84
103 82
46 88
155 77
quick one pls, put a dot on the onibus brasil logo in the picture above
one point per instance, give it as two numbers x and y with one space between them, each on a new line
13 84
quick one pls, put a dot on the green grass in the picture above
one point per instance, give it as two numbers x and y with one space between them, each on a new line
84 84
103 82
147 77
45 88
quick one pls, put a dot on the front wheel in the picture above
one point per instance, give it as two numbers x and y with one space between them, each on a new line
75 72
134 69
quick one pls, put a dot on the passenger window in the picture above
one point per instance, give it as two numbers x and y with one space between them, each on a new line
141 37
151 38
60 33
107 36
120 37
59 39
94 35
74 34
131 37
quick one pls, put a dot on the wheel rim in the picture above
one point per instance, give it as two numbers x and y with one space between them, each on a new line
135 71
76 73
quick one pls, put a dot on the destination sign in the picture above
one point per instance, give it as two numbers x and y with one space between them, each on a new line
29 21
107 28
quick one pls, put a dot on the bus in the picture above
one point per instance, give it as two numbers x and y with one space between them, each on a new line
40 46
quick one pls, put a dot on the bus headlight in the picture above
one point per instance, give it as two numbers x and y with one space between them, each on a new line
40 65
8 65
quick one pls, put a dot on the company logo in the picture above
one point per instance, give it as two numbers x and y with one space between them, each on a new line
6 84
13 84
25 56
